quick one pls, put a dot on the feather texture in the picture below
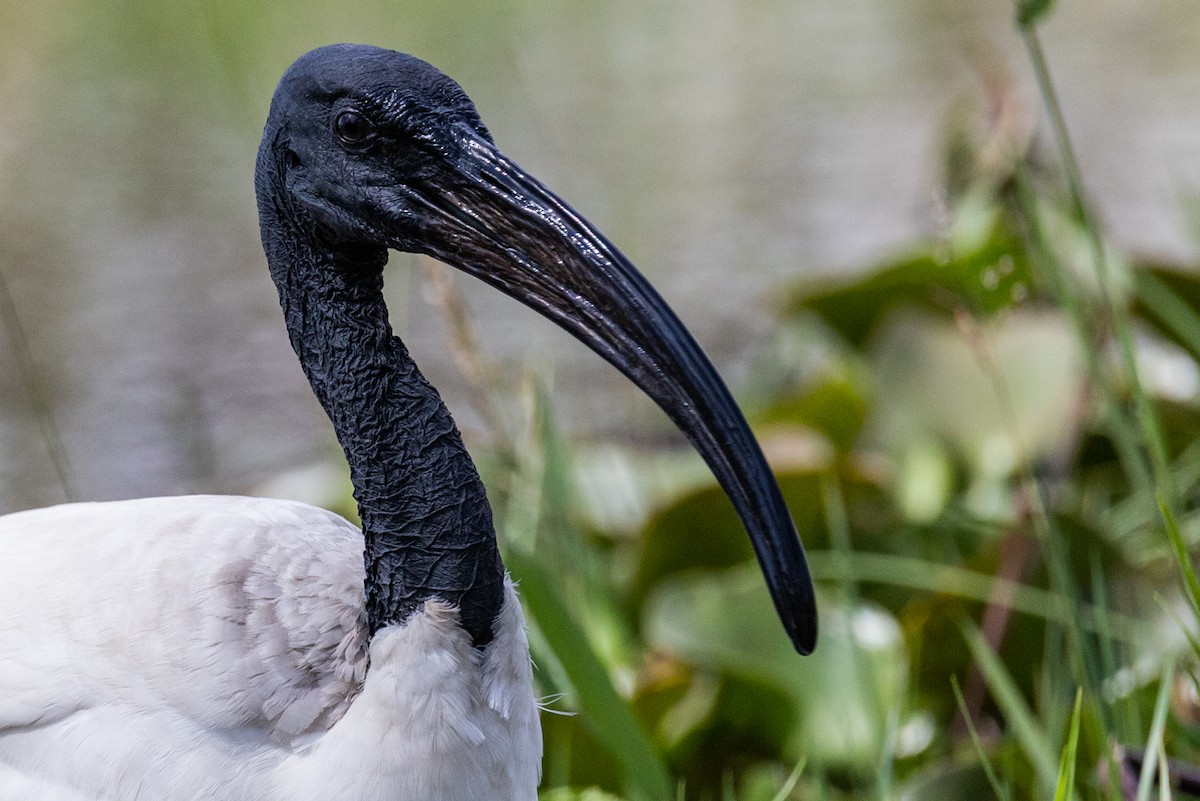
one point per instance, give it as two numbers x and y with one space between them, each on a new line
225 656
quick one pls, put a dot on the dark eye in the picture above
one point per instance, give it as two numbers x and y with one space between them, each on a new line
352 128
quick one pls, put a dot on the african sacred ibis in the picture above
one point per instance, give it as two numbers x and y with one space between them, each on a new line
225 648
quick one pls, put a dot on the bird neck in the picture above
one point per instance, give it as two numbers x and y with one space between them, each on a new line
426 519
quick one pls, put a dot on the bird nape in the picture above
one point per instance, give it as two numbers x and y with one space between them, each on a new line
239 648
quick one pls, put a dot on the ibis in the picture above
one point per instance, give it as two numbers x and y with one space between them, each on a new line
239 649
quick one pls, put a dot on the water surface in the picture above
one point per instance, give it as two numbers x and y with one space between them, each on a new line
728 146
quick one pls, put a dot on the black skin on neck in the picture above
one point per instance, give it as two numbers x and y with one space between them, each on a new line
426 519
366 148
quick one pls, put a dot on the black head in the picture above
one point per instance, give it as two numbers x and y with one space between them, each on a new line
367 149
354 130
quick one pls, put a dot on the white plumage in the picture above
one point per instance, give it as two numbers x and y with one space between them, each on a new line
224 656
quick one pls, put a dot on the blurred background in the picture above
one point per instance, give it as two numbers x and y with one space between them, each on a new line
980 390
728 146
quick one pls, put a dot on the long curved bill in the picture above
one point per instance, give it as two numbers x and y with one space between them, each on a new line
493 220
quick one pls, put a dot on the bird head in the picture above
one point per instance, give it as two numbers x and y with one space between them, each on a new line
369 148
362 139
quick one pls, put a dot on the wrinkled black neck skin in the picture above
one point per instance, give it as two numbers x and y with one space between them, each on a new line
426 519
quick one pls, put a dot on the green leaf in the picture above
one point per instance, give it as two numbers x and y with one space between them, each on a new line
835 405
930 576
843 693
1168 300
1030 11
1155 751
946 779
566 794
1066 768
606 714
702 530
997 394
986 272
790 784
1191 584
1025 727
1003 793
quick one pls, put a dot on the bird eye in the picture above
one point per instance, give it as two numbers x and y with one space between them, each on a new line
352 128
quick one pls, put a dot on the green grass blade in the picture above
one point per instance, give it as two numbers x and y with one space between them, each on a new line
1191 584
1030 11
605 713
1029 734
1144 413
1003 793
1187 631
1066 767
1164 776
1154 743
886 764
921 574
838 524
39 396
1169 309
791 782
1118 718
1122 430
1062 583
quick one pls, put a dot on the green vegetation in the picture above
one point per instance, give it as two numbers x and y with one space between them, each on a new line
991 447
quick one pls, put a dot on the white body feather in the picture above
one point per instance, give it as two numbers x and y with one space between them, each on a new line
215 648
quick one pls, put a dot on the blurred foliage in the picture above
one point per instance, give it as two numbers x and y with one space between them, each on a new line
990 445
952 430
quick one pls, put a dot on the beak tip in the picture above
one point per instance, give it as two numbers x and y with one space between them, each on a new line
785 568
801 624
804 635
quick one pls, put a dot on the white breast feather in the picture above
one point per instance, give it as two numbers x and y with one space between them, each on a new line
214 648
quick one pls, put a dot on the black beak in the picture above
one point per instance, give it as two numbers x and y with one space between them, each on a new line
498 223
